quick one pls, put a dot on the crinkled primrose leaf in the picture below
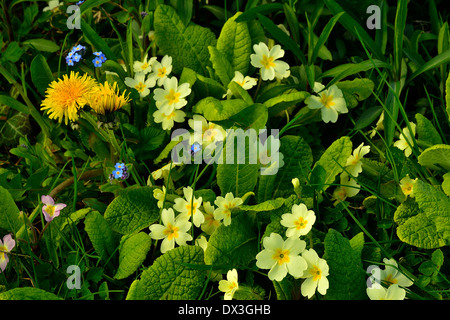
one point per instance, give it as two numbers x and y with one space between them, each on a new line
170 279
132 210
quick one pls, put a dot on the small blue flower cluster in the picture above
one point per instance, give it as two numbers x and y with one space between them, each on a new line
75 55
99 59
77 52
79 3
120 172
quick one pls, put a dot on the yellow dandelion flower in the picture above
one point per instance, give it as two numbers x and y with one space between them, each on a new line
107 99
65 96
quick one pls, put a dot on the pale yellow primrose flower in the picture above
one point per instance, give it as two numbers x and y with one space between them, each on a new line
379 126
144 66
405 141
267 62
211 223
225 206
52 4
348 188
172 96
163 172
407 186
160 70
190 205
173 230
378 292
354 164
331 102
299 222
140 84
282 257
168 120
245 82
316 274
230 285
205 132
159 195
391 275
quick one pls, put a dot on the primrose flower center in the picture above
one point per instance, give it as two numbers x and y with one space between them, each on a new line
267 62
281 256
316 273
171 231
162 72
300 223
144 66
327 101
391 280
191 208
173 97
355 160
233 286
407 188
140 87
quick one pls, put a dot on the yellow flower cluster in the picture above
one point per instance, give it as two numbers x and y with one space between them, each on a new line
66 96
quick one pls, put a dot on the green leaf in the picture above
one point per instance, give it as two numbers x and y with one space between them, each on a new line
28 293
41 73
267 205
298 159
221 65
66 224
187 45
447 95
17 125
132 210
240 92
215 110
207 87
100 235
96 40
254 116
430 228
132 254
234 245
356 90
262 9
13 52
346 274
13 103
431 64
334 159
236 45
436 157
236 174
344 70
9 217
406 210
88 5
324 36
42 45
170 279
368 116
283 101
355 28
282 38
399 29
446 184
426 131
